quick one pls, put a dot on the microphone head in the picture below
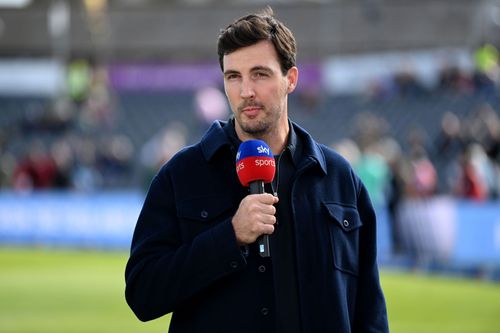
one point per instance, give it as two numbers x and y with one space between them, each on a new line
255 161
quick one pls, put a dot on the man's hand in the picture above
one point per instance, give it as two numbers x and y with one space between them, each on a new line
254 217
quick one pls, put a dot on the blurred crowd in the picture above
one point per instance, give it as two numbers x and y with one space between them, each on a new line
73 142
463 160
482 78
69 142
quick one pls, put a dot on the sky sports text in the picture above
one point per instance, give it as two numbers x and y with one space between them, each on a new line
260 150
264 150
260 163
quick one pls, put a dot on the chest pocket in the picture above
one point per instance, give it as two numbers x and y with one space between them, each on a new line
344 237
198 214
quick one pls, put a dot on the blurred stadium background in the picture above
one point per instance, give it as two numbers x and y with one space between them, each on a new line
95 95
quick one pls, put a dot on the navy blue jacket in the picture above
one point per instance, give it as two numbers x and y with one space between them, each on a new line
185 258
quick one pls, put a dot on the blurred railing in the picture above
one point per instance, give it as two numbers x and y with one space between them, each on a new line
438 231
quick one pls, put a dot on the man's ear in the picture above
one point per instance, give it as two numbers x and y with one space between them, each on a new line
293 77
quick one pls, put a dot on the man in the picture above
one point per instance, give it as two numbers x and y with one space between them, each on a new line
194 251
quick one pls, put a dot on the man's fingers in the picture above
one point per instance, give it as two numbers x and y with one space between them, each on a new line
268 219
267 198
267 229
254 217
268 209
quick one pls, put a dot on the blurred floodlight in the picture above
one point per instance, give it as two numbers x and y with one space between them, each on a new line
95 6
59 18
14 3
495 14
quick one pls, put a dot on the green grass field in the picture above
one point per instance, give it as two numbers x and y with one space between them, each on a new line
44 291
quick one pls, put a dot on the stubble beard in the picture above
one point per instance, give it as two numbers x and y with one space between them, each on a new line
255 130
261 127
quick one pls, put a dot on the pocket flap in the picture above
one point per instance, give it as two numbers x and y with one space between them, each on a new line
346 217
204 208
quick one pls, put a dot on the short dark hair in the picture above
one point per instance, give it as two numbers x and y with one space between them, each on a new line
253 28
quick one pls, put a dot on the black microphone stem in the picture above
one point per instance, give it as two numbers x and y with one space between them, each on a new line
257 187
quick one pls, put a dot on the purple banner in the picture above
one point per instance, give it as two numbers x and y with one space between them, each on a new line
172 77
160 77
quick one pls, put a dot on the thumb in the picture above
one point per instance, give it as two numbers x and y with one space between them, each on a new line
276 199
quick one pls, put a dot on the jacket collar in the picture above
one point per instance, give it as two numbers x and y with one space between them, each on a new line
221 134
310 149
215 138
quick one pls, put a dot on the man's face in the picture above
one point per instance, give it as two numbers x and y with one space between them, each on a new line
257 90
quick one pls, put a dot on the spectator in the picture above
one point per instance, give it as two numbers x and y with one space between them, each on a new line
36 170
98 110
79 77
114 159
487 71
471 183
85 175
62 155
161 147
371 165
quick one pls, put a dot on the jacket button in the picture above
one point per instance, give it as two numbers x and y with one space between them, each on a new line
346 223
264 311
262 268
204 214
234 264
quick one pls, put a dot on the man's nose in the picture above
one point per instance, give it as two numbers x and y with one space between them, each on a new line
247 89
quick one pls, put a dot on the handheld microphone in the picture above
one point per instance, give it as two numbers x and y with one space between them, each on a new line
255 166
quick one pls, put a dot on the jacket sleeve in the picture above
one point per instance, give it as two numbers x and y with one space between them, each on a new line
371 313
163 271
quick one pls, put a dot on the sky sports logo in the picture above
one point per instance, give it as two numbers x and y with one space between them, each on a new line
263 150
259 162
255 162
265 162
255 151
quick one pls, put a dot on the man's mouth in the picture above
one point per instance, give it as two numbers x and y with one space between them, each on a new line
251 111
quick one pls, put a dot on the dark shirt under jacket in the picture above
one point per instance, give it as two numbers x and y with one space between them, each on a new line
283 251
283 257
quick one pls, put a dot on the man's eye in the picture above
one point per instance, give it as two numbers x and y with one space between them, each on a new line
261 75
231 77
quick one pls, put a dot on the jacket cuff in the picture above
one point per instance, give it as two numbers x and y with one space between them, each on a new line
226 246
